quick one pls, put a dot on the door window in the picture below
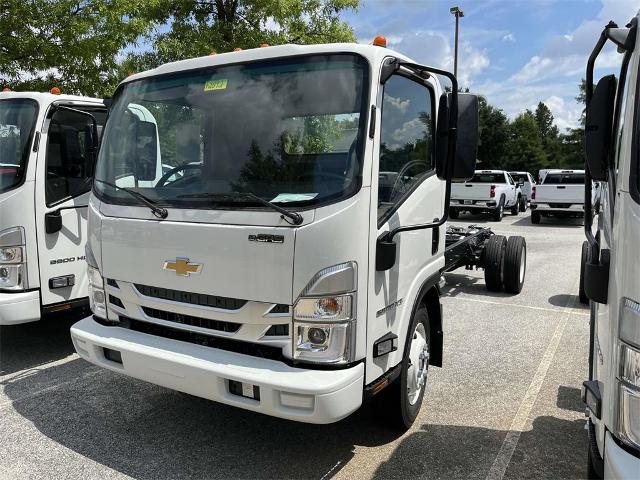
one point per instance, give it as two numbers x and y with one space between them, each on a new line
69 163
406 141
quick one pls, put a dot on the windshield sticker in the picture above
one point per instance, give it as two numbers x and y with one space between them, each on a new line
294 197
218 84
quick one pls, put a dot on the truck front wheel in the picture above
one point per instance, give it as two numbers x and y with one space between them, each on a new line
515 209
494 250
523 204
399 404
453 213
515 264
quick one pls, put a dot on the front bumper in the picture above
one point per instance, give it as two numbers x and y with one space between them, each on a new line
21 307
312 396
618 463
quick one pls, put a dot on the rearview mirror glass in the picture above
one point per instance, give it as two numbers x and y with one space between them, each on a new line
146 154
598 127
466 138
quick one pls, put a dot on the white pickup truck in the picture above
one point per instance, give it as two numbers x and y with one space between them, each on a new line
488 191
560 194
527 182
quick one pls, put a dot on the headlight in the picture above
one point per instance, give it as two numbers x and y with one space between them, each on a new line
13 268
97 297
629 374
324 319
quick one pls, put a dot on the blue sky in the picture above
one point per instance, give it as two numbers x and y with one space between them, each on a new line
514 52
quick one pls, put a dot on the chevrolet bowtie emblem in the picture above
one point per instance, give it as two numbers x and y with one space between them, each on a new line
182 266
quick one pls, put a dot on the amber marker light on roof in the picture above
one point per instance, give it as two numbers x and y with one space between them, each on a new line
55 91
380 41
6 89
264 45
213 52
237 49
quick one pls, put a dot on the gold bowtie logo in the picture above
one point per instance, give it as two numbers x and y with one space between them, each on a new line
182 267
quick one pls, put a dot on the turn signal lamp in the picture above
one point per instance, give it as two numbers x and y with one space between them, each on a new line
237 49
264 45
213 52
492 191
380 41
55 91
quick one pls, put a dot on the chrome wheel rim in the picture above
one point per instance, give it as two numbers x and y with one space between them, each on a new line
418 364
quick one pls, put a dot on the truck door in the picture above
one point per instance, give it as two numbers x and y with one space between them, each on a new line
64 178
408 192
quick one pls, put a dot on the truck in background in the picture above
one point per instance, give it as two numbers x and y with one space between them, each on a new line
247 282
489 191
610 266
559 194
526 182
47 156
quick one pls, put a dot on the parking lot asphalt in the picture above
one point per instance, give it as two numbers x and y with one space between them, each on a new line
506 403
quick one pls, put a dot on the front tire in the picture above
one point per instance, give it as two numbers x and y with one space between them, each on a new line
523 204
400 403
453 213
516 207
515 264
494 262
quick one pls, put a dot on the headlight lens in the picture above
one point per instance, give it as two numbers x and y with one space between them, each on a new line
97 297
13 269
323 343
629 417
629 374
335 308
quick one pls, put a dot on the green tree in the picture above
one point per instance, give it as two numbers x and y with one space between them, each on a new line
73 44
525 150
549 134
494 134
199 26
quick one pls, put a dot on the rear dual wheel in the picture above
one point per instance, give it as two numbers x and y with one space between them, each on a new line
505 263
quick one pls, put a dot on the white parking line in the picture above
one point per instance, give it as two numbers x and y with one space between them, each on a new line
564 310
521 418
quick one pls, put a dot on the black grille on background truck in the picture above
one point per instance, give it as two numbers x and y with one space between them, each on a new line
182 319
192 298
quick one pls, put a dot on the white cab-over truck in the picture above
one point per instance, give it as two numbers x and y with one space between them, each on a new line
560 194
489 191
47 156
611 260
279 276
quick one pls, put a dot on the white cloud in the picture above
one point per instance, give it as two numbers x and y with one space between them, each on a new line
397 103
414 128
509 37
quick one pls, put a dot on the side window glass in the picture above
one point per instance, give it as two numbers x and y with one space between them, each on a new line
69 163
406 144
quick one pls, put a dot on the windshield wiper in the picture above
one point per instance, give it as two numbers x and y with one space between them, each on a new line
159 212
295 217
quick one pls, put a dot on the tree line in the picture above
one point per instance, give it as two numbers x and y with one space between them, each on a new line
530 141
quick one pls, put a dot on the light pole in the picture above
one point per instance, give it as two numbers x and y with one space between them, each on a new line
457 13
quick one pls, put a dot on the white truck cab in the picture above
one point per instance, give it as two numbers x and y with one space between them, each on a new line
288 259
47 155
489 191
610 269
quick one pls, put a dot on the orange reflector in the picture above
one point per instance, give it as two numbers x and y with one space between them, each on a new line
213 52
56 91
380 41
380 386
64 306
6 89
237 49
264 45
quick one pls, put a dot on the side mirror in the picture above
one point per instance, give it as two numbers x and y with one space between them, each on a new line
53 221
467 137
385 254
146 151
598 125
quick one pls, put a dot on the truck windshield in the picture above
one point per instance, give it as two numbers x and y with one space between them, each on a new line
17 123
289 131
488 178
564 178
